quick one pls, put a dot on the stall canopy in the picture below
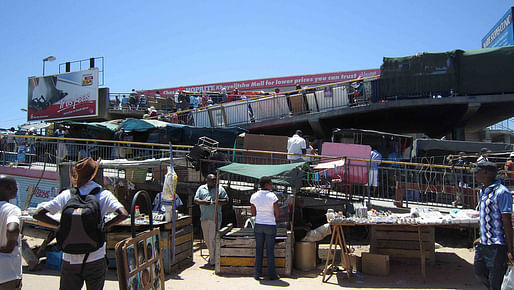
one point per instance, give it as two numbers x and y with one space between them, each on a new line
183 134
92 130
284 174
138 125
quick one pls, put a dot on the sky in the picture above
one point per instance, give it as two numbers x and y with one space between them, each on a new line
160 44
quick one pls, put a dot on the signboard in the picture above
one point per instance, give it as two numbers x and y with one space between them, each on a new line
63 96
258 84
502 34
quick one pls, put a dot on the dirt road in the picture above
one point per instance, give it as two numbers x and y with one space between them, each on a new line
452 270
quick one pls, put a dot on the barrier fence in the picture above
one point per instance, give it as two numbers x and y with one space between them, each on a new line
267 107
338 177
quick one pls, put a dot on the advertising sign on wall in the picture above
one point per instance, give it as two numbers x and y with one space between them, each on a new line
502 34
258 84
63 96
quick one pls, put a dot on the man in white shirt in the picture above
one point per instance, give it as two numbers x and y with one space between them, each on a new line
10 244
296 145
74 269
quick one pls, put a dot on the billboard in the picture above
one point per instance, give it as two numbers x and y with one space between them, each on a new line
258 84
502 34
63 96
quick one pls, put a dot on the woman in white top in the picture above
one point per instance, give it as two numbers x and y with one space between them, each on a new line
265 209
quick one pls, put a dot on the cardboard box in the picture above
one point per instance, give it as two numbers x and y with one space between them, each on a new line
375 264
355 263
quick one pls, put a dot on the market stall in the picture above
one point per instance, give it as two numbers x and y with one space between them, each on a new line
124 178
395 235
235 247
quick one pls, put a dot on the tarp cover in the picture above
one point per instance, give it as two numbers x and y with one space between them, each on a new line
180 134
92 130
420 75
456 146
466 72
487 71
285 174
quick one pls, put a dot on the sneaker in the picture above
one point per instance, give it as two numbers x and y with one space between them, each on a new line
276 277
257 277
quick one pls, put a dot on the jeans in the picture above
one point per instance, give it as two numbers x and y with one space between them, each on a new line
490 265
265 233
93 275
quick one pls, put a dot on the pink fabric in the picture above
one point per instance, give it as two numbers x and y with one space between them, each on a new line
357 170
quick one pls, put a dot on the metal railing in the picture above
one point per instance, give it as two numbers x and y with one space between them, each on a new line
357 179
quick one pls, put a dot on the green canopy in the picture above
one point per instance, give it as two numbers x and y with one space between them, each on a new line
285 174
94 130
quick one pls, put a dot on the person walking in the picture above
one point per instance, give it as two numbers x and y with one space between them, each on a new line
10 243
264 206
91 266
205 197
494 247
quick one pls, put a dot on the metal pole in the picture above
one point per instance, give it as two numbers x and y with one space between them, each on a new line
43 67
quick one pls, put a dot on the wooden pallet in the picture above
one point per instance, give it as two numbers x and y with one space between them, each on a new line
400 242
235 252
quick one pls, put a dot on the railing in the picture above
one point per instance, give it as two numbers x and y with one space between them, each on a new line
267 107
357 179
303 101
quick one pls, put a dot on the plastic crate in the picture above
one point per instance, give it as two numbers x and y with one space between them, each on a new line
53 260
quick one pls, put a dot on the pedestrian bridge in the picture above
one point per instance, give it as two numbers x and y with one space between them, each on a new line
356 104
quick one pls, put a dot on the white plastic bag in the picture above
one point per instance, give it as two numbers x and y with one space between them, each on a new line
318 233
508 279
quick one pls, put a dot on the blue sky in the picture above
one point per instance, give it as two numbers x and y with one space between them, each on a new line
158 44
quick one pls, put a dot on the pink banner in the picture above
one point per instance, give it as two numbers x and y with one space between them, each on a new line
258 84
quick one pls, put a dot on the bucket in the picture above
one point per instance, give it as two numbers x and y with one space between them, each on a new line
305 256
53 260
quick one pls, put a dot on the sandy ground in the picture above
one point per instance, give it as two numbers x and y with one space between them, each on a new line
452 270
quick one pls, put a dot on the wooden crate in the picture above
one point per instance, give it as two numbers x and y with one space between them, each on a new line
235 252
402 241
183 254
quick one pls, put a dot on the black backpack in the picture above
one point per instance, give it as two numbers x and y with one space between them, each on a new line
81 229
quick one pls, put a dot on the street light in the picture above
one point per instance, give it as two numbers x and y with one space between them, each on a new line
50 58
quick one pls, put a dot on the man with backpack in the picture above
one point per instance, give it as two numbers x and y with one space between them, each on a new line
81 230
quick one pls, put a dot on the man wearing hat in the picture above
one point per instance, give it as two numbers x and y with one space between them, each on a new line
493 250
94 268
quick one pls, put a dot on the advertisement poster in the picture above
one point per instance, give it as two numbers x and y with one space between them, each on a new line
502 34
63 96
269 83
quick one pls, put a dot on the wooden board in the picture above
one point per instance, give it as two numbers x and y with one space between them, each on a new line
246 261
402 236
408 245
248 243
235 270
400 241
247 252
183 239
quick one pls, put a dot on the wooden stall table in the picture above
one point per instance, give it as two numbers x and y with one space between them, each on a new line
396 240
337 240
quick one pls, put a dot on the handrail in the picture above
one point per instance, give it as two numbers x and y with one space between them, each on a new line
231 150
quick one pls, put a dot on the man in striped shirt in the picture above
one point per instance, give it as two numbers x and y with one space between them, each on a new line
494 248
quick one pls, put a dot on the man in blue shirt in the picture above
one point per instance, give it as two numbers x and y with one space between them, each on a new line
494 248
205 197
